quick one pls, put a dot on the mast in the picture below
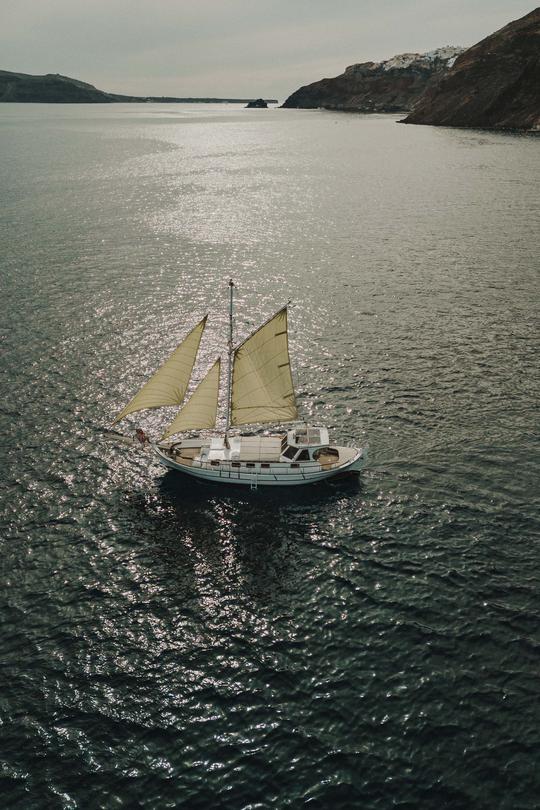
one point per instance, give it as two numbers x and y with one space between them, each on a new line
230 348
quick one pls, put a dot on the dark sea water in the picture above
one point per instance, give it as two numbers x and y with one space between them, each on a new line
370 644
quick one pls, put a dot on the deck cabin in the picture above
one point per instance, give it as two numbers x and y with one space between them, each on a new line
306 448
296 456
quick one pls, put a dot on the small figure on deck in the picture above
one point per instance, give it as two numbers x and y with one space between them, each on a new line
142 437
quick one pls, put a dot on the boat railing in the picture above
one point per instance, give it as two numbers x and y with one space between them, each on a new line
224 469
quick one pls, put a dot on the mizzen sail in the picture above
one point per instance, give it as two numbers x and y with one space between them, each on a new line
169 384
262 386
201 409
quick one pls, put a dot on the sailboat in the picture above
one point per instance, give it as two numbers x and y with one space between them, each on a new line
259 391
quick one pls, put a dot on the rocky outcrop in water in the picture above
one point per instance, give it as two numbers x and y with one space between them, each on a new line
258 103
390 86
494 84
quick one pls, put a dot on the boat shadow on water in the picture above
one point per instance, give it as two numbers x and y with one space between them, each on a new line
254 541
181 491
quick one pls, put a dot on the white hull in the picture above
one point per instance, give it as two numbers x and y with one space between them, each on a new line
280 474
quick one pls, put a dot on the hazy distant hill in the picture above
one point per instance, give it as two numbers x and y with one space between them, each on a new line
494 84
390 86
56 89
52 88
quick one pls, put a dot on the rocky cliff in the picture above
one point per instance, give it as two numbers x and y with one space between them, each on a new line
390 86
494 84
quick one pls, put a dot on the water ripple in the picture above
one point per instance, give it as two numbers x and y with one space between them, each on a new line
364 644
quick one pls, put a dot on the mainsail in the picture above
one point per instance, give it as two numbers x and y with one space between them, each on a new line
262 386
201 409
169 384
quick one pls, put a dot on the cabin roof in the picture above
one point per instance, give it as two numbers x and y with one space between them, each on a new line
308 437
257 448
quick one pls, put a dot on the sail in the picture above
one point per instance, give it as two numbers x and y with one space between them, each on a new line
262 386
169 384
201 409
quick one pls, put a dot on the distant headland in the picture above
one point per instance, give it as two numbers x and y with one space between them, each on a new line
54 88
494 84
378 87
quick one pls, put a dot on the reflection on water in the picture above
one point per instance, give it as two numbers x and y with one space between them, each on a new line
365 642
247 539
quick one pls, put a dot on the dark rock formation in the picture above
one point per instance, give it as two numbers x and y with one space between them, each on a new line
56 89
494 84
390 86
259 103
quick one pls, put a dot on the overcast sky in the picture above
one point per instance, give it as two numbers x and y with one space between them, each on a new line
230 47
